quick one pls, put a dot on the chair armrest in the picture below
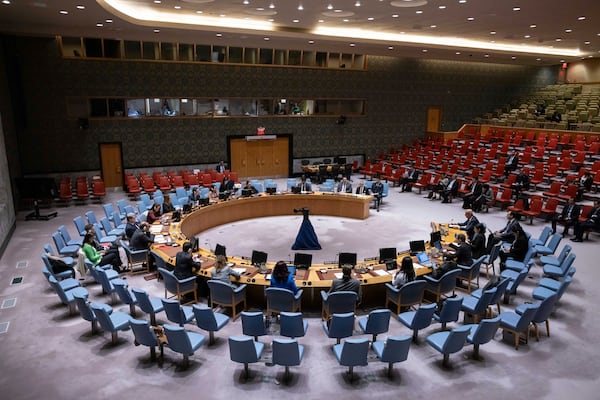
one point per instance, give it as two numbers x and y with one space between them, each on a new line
430 279
324 295
392 288
186 280
298 294
240 288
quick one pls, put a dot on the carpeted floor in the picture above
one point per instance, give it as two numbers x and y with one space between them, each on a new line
49 354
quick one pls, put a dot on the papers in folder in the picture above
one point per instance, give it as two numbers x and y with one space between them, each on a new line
156 228
417 266
338 275
160 239
239 270
381 272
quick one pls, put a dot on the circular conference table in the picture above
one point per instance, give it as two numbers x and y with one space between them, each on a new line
371 273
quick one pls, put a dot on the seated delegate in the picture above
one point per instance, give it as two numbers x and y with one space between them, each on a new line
281 278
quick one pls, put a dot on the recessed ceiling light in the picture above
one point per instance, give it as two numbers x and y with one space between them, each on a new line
558 39
260 9
346 20
198 12
527 36
321 21
581 18
80 7
271 5
109 21
486 55
300 7
441 7
295 21
357 4
471 19
538 59
63 12
157 1
433 26
493 32
516 8
370 19
419 11
246 2
458 53
267 38
395 15
568 30
352 44
99 24
311 42
424 50
271 20
533 26
462 1
177 7
330 7
222 15
219 35
390 47
587 42
5 1
514 58
156 30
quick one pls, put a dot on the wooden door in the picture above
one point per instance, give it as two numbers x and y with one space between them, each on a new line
260 158
111 160
434 119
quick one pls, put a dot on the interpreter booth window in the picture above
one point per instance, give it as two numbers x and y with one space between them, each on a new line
186 52
133 50
116 107
221 107
71 47
203 52
264 106
187 107
169 107
236 55
242 107
204 107
136 108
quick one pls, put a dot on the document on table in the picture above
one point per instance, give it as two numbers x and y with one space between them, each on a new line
381 272
239 270
159 239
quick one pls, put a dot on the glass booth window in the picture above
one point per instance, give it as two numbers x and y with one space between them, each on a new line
136 108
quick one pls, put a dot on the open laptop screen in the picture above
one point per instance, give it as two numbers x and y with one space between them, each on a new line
416 246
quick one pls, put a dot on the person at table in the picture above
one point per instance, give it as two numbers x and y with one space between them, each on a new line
451 190
304 186
477 243
195 196
227 185
223 271
131 226
592 221
362 189
105 248
469 224
377 190
505 234
281 278
185 266
167 206
154 214
475 190
486 196
462 255
220 168
405 272
251 188
517 250
568 217
213 193
99 257
141 240
346 283
512 162
408 179
344 186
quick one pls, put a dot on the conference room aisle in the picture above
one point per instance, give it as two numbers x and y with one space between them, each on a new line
49 354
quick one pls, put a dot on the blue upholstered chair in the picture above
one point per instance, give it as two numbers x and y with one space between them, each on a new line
121 205
104 238
352 353
91 217
179 288
292 325
149 305
470 273
548 287
393 350
145 335
500 292
449 311
126 296
515 279
109 210
183 342
542 239
86 311
109 230
68 260
340 326
518 324
407 295
520 265
449 342
209 320
226 295
253 324
542 315
477 306
110 321
137 260
556 260
562 270
442 286
549 248
490 259
177 313
378 321
62 248
67 296
482 333
279 299
244 350
419 319
108 285
287 353
67 237
65 284
337 303
60 275
79 225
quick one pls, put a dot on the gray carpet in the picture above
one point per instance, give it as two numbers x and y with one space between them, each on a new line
48 354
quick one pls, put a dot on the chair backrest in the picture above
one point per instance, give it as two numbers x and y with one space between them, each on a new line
242 349
485 300
494 253
91 217
80 225
178 339
544 235
169 279
58 241
174 311
143 332
566 264
123 293
253 323
514 284
341 302
500 289
554 241
341 325
450 309
563 286
205 318
108 209
396 349
456 339
105 223
158 260
378 321
291 324
116 218
102 312
526 317
280 299
220 292
64 233
286 352
485 330
84 308
423 316
106 283
354 352
448 281
545 309
412 292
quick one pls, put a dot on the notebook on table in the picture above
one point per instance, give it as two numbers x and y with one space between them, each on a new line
424 260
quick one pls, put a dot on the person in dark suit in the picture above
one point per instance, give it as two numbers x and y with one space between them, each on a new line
585 185
469 224
475 189
304 186
478 242
344 186
569 216
451 190
185 266
251 188
505 234
377 190
347 283
592 221
462 255
518 248
131 225
141 240
512 163
227 185
220 168
522 182
362 189
408 179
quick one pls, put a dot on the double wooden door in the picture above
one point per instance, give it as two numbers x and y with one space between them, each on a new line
260 158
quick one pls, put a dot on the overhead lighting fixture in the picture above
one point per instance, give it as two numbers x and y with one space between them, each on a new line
63 12
458 53
219 35
266 38
395 15
295 21
587 42
419 12
79 7
330 7
352 44
156 30
424 50
271 5
462 1
370 19
441 7
357 4
177 7
471 19
245 2
5 1
390 47
533 26
581 18
311 42
157 1
493 32
300 7
109 21
516 8
99 24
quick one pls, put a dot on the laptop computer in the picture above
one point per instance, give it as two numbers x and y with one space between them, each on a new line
296 189
438 245
424 260
416 247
